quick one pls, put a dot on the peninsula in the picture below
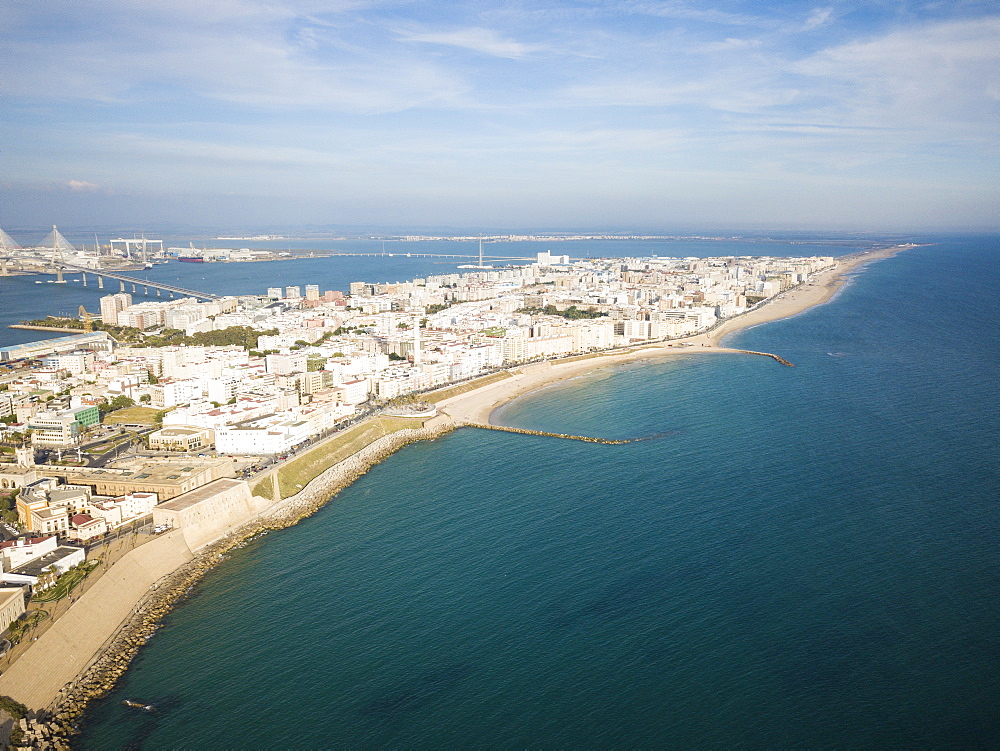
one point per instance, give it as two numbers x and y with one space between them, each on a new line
80 655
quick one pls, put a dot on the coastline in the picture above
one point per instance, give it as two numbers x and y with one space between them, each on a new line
121 640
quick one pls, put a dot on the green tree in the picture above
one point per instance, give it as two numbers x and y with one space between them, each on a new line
122 402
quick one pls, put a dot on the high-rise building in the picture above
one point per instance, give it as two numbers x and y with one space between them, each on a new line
312 292
111 305
293 293
274 293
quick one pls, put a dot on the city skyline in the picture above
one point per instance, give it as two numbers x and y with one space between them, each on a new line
839 115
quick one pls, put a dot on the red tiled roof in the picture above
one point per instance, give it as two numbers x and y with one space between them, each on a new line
25 541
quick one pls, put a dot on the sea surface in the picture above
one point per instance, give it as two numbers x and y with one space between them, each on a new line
801 557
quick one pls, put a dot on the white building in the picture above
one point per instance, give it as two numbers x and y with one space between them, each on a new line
111 305
24 550
354 391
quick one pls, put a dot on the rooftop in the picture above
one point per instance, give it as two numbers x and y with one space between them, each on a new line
178 431
38 565
194 497
56 343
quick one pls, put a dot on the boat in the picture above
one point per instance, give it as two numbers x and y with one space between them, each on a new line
191 259
139 705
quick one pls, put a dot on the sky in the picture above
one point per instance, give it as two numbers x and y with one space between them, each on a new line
645 114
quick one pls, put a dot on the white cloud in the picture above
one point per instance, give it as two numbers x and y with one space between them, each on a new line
689 12
483 41
82 186
935 75
267 55
730 43
817 18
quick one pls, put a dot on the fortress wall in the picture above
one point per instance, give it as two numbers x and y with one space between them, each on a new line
206 514
80 634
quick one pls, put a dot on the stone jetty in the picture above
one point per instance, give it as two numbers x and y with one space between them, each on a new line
567 436
780 359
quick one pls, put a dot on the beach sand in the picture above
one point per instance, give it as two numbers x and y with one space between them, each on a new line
477 406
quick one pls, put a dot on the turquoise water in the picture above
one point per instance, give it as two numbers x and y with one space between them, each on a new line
805 556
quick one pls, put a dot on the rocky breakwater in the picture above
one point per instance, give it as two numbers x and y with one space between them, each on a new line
53 726
567 436
777 358
36 733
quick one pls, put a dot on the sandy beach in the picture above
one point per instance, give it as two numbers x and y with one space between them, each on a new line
477 406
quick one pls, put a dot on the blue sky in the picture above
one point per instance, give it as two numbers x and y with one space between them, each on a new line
634 113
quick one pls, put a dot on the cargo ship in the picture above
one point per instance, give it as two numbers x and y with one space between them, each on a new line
191 259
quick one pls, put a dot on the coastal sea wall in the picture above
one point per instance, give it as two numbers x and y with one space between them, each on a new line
69 646
105 629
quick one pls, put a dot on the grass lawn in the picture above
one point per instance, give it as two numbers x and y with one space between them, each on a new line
66 583
136 415
463 388
264 489
294 475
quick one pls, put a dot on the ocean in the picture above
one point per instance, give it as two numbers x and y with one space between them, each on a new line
802 556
